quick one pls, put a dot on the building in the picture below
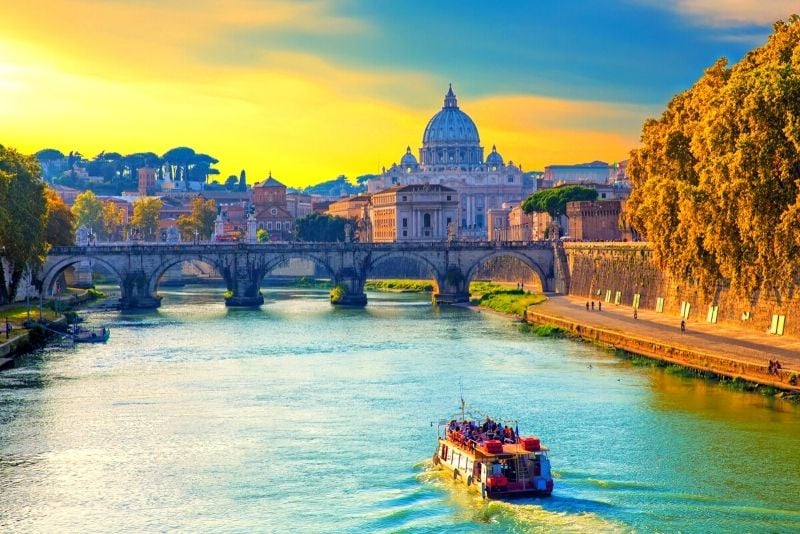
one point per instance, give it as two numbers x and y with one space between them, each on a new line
595 221
420 212
299 205
355 207
147 181
271 210
594 172
452 156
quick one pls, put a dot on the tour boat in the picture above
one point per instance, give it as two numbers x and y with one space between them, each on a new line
490 457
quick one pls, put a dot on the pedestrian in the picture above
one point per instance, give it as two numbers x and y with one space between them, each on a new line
592 305
587 305
600 306
635 313
683 325
771 367
8 329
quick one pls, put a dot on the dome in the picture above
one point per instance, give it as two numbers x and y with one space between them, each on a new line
408 159
451 126
494 158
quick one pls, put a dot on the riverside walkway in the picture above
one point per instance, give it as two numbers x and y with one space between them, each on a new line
719 348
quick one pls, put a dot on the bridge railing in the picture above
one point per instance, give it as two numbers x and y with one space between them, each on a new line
160 247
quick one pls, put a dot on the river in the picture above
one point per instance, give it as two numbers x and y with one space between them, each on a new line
302 417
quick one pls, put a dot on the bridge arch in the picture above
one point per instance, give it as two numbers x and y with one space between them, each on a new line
420 259
530 262
51 272
168 263
274 261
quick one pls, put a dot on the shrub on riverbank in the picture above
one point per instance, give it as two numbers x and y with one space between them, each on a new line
337 293
95 294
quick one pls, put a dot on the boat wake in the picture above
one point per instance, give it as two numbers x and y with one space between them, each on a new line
523 515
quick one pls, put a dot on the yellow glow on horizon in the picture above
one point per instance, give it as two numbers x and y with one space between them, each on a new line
96 86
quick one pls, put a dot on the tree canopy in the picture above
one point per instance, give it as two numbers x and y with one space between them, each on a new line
716 177
554 201
145 216
320 227
201 221
23 218
88 211
60 230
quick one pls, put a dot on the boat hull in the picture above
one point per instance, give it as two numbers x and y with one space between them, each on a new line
471 468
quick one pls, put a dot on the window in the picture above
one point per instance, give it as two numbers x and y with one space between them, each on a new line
449 221
269 225
405 198
405 222
448 197
277 225
405 233
511 180
426 220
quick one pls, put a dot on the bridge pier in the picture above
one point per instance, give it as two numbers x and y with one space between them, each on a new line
136 294
348 289
245 293
453 288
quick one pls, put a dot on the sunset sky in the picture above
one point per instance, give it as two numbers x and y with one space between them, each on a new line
312 89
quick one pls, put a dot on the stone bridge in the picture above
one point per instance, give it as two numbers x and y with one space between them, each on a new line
140 266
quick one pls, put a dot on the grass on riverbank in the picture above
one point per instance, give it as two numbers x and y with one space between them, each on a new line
400 285
544 330
736 383
513 301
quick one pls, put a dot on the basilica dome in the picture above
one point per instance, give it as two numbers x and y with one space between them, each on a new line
451 138
451 125
408 158
494 158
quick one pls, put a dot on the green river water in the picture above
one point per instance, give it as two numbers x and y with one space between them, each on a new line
300 417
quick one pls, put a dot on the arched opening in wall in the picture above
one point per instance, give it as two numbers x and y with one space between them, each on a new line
69 280
505 271
188 279
402 273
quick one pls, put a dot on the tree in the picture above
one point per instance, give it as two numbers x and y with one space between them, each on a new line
262 236
716 177
23 218
146 215
178 159
319 227
242 181
201 221
88 211
60 230
232 183
113 217
554 201
49 154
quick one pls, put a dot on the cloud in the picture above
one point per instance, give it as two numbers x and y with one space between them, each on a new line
730 13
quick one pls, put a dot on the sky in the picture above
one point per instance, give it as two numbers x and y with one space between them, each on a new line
311 89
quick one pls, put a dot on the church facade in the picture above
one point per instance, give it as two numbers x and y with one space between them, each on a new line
452 156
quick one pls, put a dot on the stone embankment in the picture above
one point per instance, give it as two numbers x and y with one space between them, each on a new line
728 352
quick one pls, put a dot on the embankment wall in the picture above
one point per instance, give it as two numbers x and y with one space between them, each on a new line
722 365
596 268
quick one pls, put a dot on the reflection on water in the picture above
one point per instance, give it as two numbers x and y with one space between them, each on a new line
300 416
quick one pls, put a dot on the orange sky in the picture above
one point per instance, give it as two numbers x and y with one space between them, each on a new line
117 76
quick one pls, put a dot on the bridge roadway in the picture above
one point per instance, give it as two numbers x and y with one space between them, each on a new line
140 266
